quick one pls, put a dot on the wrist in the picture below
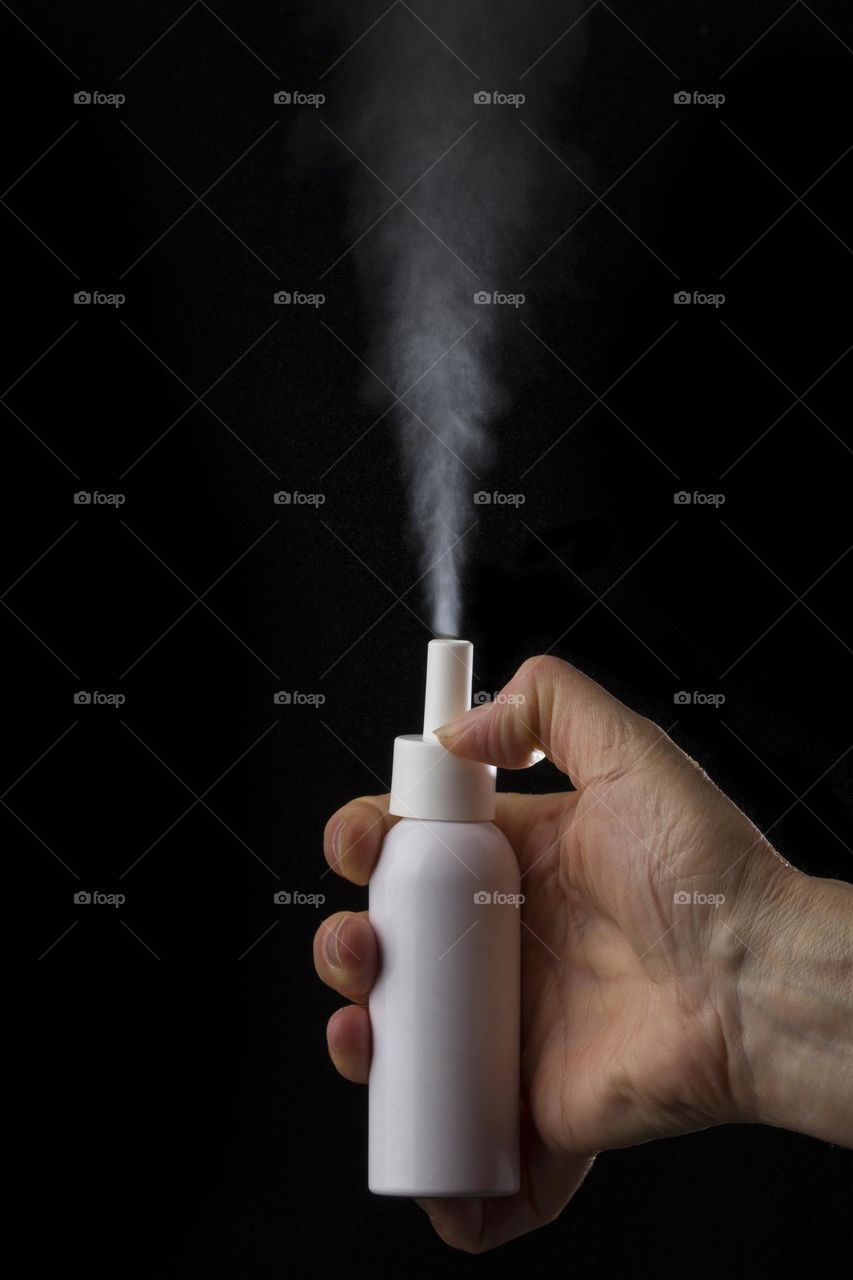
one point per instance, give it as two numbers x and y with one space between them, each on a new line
795 1008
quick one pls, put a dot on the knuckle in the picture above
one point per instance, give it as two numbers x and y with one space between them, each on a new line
542 667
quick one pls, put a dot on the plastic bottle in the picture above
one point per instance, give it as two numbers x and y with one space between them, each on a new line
445 905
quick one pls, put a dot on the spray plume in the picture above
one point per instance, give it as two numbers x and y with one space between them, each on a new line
445 185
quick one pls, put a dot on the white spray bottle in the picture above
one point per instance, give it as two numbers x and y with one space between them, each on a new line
445 1010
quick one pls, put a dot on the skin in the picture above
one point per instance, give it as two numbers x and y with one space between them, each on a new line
642 1016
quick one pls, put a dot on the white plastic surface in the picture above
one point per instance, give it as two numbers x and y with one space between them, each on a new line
448 682
445 1012
427 781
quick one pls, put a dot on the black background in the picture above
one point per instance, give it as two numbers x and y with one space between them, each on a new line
183 1117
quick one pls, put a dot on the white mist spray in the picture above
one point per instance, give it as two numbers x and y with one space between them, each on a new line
433 339
442 477
463 176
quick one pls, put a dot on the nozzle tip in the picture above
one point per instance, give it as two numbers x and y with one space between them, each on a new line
448 681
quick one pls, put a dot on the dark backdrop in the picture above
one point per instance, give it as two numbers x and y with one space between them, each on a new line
182 1116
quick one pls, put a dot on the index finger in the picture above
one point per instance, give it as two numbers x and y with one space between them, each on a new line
550 708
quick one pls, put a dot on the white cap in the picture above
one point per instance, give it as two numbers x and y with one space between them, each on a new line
428 781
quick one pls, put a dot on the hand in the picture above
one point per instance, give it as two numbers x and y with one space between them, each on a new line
662 934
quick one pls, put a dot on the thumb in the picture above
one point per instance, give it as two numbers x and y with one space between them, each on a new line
549 709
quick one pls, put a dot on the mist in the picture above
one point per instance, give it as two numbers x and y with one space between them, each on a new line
442 189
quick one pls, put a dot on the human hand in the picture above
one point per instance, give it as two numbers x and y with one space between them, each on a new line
649 1006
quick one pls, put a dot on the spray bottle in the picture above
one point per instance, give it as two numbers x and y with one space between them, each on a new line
445 1009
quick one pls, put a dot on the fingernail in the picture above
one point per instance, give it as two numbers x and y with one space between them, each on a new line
455 728
338 845
332 946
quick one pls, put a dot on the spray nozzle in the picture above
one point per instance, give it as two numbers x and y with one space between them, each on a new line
448 682
428 782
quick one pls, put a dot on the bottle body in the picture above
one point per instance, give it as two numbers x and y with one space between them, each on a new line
445 1012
